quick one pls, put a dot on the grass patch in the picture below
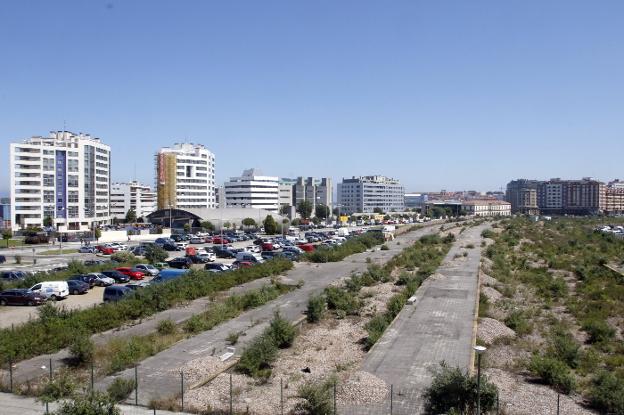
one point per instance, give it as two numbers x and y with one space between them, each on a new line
58 252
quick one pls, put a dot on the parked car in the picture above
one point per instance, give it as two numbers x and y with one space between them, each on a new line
87 250
168 275
181 245
253 248
180 262
196 240
146 269
293 256
117 276
177 238
21 296
294 249
249 257
164 241
198 259
242 264
2 259
105 250
92 262
208 256
136 285
216 267
100 279
306 247
170 247
224 252
218 240
77 287
119 247
87 279
208 239
139 250
53 290
161 265
267 246
115 292
134 275
9 276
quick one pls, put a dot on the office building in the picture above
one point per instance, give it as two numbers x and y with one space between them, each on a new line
253 190
486 207
415 200
65 177
364 194
314 191
5 213
185 177
133 195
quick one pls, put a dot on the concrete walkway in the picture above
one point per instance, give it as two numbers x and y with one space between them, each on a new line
439 326
158 375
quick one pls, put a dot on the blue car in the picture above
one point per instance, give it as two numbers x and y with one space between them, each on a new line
168 275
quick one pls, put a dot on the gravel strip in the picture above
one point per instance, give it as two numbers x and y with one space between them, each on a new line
489 330
492 294
363 388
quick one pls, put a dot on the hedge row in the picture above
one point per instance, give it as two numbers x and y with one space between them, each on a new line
352 246
55 328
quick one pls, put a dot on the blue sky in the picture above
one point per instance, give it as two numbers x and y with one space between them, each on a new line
440 94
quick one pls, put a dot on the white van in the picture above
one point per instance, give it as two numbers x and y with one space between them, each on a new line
249 257
53 290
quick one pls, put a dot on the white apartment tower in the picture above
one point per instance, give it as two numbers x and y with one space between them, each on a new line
253 190
185 177
65 177
133 195
364 194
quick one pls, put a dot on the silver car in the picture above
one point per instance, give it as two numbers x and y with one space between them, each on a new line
146 269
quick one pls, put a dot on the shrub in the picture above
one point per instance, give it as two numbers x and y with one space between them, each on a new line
316 307
384 247
563 346
484 305
454 391
154 254
517 321
120 389
354 245
62 386
166 327
375 329
317 398
81 349
95 403
194 325
123 256
18 259
257 357
552 372
599 330
232 338
281 331
340 299
607 393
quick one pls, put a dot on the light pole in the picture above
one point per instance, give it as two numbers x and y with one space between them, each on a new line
479 350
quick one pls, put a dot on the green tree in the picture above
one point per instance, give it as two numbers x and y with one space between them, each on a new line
97 233
227 225
207 225
131 216
321 211
249 222
378 210
316 220
48 222
154 254
187 228
7 234
270 226
284 210
304 208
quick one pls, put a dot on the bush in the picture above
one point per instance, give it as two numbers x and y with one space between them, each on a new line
62 386
281 331
607 393
316 307
120 389
340 299
154 254
82 349
232 338
563 346
384 247
95 403
317 398
553 372
354 245
599 330
257 357
123 256
454 391
375 329
517 321
166 327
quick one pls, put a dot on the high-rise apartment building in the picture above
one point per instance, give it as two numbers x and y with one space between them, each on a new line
65 177
614 197
314 191
364 194
253 190
134 195
185 177
522 194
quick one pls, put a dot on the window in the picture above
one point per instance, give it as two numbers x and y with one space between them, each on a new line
48 164
48 196
72 196
72 181
48 180
72 211
72 165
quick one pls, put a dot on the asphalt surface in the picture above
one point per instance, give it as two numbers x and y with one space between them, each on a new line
158 377
438 327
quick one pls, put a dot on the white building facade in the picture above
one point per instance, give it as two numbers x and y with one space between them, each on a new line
364 194
185 177
253 190
134 195
65 177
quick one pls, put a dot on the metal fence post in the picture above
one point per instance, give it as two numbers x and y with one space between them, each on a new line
335 412
182 388
281 396
136 385
92 377
11 375
231 411
50 370
391 398
497 404
558 396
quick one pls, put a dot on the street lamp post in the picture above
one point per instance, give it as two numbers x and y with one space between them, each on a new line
479 350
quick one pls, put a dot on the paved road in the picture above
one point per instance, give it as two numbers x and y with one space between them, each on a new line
18 405
439 326
158 377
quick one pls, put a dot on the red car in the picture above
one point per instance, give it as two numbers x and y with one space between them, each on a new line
217 240
306 247
133 275
267 246
106 250
242 264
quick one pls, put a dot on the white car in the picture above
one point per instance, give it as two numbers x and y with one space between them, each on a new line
101 279
118 247
146 269
253 248
182 244
54 290
209 256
